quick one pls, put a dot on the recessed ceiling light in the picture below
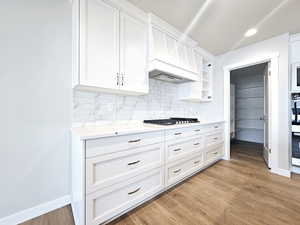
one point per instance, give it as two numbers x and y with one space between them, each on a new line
250 32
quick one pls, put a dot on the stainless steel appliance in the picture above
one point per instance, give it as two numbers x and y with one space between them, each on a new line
296 129
296 77
172 121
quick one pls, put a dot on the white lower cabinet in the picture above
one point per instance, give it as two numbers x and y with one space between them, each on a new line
177 171
121 165
111 201
214 153
112 175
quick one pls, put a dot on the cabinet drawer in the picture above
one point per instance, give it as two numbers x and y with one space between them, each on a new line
215 128
122 143
178 171
175 134
214 139
212 155
105 170
181 148
111 201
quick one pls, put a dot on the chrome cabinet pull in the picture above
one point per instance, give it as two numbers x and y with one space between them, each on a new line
177 133
135 191
197 144
133 163
216 126
177 149
134 141
215 153
196 162
197 130
215 138
118 79
177 171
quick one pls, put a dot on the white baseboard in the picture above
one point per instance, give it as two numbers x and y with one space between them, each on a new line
36 211
282 172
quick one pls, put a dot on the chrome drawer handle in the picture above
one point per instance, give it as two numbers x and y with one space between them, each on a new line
177 149
177 171
196 162
215 138
133 163
215 153
177 133
134 141
197 144
135 191
197 130
216 126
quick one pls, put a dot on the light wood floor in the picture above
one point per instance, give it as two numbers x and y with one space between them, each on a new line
237 192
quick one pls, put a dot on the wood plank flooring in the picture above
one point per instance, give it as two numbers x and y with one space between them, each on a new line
237 192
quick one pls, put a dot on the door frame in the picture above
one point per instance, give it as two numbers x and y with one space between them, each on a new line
273 103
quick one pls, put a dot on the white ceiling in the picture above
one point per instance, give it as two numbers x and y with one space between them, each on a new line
222 24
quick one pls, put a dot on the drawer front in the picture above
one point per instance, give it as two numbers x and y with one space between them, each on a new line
214 139
215 127
107 203
109 145
179 171
180 149
105 170
175 134
214 154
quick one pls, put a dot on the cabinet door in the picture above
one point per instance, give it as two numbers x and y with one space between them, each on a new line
133 42
99 44
159 49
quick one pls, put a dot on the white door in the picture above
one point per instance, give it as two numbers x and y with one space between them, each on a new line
99 52
267 150
134 77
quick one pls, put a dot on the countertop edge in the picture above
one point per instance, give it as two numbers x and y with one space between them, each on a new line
145 129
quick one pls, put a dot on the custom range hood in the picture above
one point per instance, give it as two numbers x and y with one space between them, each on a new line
170 73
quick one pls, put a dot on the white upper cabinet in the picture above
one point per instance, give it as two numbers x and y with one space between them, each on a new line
133 60
99 61
112 47
200 91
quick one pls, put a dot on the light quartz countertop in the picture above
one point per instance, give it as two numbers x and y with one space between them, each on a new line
93 131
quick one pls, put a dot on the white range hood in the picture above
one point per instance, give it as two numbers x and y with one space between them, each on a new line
170 73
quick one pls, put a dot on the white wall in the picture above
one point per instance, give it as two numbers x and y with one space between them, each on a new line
36 98
278 44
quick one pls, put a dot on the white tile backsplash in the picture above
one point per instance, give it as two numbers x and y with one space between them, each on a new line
161 102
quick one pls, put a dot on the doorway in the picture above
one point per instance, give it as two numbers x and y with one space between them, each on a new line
249 111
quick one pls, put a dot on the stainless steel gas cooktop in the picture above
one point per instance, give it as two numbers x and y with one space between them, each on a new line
172 121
